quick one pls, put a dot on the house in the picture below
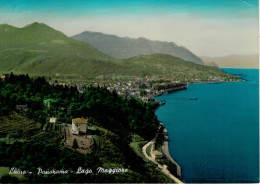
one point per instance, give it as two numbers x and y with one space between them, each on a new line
138 93
148 90
21 107
79 126
61 84
145 99
4 76
53 120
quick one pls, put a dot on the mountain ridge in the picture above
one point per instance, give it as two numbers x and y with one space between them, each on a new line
40 42
125 47
40 50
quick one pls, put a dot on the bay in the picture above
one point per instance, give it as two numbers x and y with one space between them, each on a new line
214 129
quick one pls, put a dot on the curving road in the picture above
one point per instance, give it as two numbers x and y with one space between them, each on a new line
164 170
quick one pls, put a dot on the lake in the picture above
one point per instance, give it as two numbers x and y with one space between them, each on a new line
214 129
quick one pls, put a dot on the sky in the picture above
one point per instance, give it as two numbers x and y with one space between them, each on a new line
212 28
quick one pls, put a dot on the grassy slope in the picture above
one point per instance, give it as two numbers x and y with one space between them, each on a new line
42 38
40 50
5 171
29 46
166 66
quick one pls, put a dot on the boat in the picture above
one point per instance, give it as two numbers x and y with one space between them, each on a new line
163 102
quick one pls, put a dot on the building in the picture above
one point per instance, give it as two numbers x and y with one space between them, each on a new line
4 76
63 84
53 120
79 126
21 107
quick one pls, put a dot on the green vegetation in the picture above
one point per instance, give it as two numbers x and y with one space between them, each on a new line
4 174
167 67
159 140
114 119
137 144
40 50
26 156
17 126
4 170
148 150
109 110
137 148
52 127
46 138
27 136
137 138
170 166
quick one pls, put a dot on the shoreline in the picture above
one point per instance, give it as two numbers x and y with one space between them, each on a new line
174 89
165 146
153 159
171 90
165 151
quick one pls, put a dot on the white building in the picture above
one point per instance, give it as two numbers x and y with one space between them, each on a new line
79 126
53 120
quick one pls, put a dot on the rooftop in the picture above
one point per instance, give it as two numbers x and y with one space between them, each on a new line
79 120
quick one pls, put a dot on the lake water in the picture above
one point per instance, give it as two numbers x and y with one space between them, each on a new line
216 137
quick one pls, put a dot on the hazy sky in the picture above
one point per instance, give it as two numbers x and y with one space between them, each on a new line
206 27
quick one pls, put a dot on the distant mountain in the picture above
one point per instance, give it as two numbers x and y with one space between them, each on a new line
123 48
38 49
170 67
234 61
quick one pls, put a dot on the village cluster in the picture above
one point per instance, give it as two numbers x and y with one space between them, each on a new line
141 89
144 90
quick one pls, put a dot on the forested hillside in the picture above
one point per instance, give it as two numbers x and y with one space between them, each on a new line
117 118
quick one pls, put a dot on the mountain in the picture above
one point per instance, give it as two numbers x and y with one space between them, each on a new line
38 49
38 44
234 61
170 67
123 48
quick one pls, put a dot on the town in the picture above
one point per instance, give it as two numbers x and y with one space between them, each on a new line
145 90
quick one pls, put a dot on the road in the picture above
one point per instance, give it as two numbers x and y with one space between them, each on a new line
152 159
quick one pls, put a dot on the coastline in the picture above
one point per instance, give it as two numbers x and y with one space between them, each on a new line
186 84
171 90
165 146
165 151
152 158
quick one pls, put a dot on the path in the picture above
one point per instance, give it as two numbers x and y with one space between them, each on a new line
164 170
165 150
